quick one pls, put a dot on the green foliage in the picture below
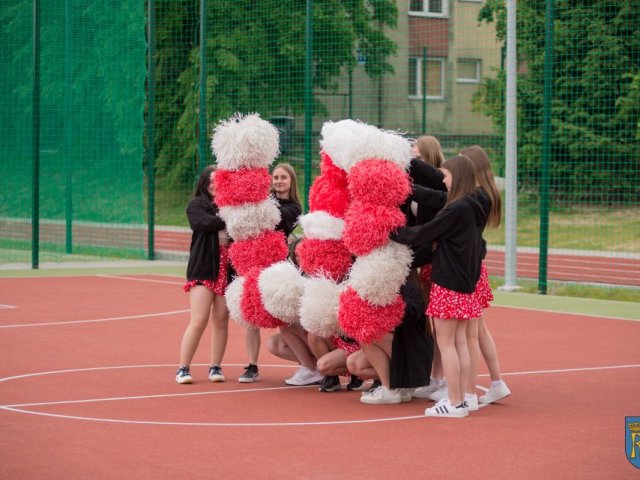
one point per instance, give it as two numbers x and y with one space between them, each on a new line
595 106
255 58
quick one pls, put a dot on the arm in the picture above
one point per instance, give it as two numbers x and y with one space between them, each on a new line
445 223
428 197
202 217
426 175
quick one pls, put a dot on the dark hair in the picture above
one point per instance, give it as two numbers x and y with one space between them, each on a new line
203 182
484 178
463 178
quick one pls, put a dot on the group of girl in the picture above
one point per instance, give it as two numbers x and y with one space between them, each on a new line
436 351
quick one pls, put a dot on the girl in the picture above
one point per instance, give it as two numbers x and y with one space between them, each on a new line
479 337
425 172
284 187
208 273
398 359
456 268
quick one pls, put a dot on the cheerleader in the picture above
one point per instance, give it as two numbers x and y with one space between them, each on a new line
456 265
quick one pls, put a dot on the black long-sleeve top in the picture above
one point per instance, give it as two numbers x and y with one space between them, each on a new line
204 253
458 230
289 213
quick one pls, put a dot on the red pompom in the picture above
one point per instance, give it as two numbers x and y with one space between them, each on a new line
237 187
251 305
330 258
366 322
260 251
367 226
329 191
380 182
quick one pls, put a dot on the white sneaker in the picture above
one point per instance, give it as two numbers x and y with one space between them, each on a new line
406 394
381 395
439 394
471 401
424 392
495 393
304 376
444 409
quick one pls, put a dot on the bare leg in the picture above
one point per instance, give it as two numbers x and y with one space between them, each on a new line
379 354
252 344
319 346
278 347
489 350
333 363
220 332
436 365
446 333
296 338
360 366
463 355
201 299
474 355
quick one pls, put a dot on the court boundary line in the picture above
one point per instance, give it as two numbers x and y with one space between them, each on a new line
97 320
14 407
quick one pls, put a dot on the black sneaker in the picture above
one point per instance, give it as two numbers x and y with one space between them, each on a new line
356 383
330 384
183 375
374 385
215 374
250 374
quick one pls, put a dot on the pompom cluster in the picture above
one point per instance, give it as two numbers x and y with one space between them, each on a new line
376 162
322 254
244 147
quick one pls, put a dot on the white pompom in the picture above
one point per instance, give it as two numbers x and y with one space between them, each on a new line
319 306
378 276
280 288
321 225
233 296
245 142
371 143
250 219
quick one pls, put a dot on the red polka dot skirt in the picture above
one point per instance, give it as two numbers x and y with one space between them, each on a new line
447 304
219 286
483 292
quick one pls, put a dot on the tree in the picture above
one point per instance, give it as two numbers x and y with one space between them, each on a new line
255 55
595 107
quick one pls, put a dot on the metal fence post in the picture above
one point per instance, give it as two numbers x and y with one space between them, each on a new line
546 147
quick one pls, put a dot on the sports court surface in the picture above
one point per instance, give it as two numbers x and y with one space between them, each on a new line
87 391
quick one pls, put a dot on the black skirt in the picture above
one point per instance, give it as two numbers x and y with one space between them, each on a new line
412 348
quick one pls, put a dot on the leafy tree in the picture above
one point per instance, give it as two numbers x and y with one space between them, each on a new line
255 55
595 107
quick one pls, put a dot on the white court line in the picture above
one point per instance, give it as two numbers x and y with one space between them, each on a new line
2 307
18 408
96 320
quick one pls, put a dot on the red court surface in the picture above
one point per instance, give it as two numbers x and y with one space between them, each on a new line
87 391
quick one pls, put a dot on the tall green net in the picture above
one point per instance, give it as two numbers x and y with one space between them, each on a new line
436 67
91 100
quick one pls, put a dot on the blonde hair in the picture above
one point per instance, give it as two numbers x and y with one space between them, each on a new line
430 150
294 195
484 178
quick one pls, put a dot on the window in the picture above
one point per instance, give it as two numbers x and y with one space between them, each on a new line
468 70
435 78
428 8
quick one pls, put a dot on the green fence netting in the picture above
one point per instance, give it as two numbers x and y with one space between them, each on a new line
418 67
91 100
